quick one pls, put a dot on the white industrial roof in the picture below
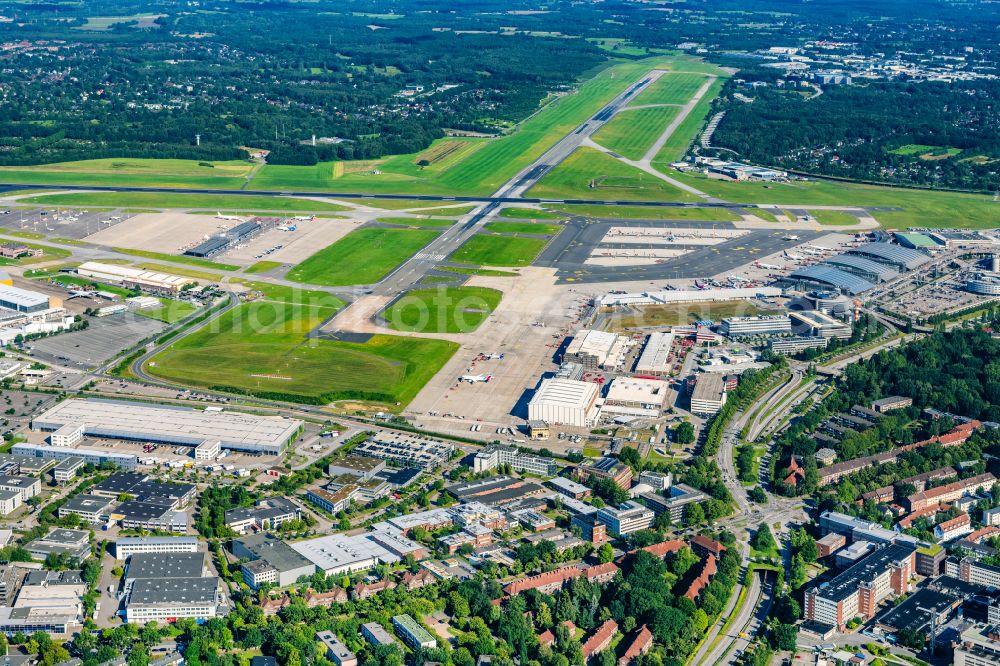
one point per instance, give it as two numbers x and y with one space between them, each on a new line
174 424
568 392
22 297
628 389
340 550
655 353
124 272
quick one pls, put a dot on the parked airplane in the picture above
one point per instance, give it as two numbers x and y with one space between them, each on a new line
81 293
790 237
304 218
792 256
474 379
768 266
220 216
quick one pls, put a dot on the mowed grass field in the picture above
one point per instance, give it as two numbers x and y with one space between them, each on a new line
671 88
217 202
632 132
524 228
476 171
132 172
922 208
682 314
260 348
529 214
363 256
648 212
682 138
492 250
591 174
443 309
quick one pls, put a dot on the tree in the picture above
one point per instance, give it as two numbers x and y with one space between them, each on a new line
694 514
763 540
605 553
785 636
684 432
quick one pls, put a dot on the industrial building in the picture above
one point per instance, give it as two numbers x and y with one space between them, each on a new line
339 554
566 402
151 281
171 425
748 327
656 357
90 508
267 514
495 455
22 300
271 561
73 543
634 397
363 467
709 394
597 349
859 590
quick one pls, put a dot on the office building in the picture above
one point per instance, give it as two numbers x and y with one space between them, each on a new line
565 402
208 450
591 529
796 344
658 481
363 467
818 324
10 500
73 543
748 327
126 547
495 455
569 488
267 514
333 501
26 486
70 434
90 508
67 469
164 600
859 590
625 519
606 468
977 646
675 503
709 394
271 561
126 461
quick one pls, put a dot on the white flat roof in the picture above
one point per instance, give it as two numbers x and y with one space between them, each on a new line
339 550
656 352
106 418
568 392
588 341
629 389
22 297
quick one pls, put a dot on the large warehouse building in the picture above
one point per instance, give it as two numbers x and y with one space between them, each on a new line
566 401
171 425
152 281
22 300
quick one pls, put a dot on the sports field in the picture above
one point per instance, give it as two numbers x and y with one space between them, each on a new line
591 174
443 309
363 256
632 132
261 348
130 172
491 250
217 202
921 208
671 88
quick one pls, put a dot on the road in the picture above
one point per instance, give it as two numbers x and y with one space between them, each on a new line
750 617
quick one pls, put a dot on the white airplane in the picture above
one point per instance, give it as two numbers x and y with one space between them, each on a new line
790 237
220 216
305 218
768 266
81 293
474 379
792 256
736 278
817 248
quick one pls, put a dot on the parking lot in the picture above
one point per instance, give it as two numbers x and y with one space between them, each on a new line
101 341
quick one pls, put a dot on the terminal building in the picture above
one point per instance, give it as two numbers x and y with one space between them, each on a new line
139 422
902 258
565 401
867 269
216 244
829 277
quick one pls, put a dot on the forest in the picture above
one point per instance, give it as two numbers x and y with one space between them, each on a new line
368 78
923 134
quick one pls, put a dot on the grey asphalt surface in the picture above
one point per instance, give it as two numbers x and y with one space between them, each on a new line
569 251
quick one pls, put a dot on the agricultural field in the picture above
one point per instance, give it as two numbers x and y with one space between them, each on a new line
261 348
492 250
919 208
927 152
443 309
631 132
524 228
105 23
130 172
672 88
211 202
591 174
363 256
